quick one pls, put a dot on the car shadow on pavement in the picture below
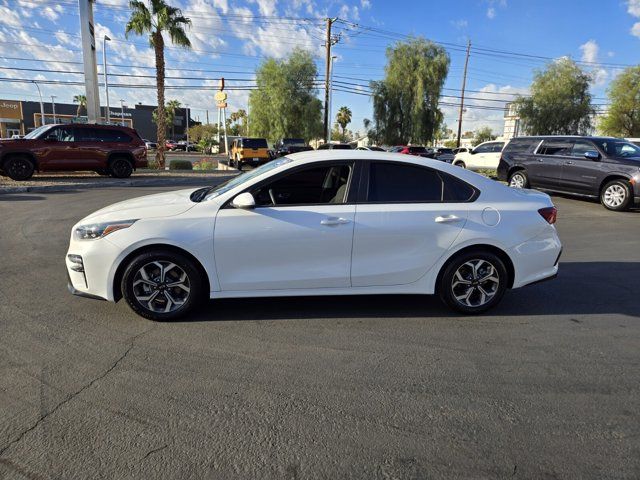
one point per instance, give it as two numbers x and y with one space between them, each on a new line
9 197
581 288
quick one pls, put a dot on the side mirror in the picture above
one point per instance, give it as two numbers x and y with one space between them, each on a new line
592 155
244 200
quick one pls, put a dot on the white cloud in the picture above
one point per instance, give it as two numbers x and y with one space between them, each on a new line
590 51
633 7
50 14
9 17
460 24
266 7
365 4
491 13
635 30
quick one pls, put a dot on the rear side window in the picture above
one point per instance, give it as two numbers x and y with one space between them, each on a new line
86 134
555 147
114 136
497 147
455 190
396 183
521 145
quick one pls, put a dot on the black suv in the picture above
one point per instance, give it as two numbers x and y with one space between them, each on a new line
599 167
285 146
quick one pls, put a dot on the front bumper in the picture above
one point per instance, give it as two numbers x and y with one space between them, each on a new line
90 267
73 291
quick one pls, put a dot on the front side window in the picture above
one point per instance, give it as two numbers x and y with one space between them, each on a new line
403 183
581 147
312 186
618 148
555 148
497 147
63 134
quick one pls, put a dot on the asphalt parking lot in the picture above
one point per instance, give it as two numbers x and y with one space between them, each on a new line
545 386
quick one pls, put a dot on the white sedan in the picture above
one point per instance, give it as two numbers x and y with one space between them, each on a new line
319 223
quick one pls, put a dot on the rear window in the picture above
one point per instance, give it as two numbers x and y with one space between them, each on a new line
342 146
254 143
521 145
293 141
444 150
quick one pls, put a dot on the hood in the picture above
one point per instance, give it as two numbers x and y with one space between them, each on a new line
150 206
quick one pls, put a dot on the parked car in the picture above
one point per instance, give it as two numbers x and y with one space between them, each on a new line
461 150
372 149
598 167
171 145
248 151
149 144
417 150
485 156
183 146
285 146
334 146
414 226
106 149
442 153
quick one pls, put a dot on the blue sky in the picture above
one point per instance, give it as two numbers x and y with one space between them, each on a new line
235 35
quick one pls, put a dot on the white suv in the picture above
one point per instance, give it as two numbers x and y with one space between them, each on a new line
484 156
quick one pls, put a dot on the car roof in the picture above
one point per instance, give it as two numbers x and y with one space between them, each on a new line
567 137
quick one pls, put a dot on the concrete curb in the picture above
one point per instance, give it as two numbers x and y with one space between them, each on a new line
185 182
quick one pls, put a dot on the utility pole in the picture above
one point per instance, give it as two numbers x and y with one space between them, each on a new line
42 120
330 98
53 108
89 60
122 111
186 149
106 39
328 43
207 116
464 85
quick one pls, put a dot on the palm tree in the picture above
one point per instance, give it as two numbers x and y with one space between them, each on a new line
153 21
81 100
170 110
343 118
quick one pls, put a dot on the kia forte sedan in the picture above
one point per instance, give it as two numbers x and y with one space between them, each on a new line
319 223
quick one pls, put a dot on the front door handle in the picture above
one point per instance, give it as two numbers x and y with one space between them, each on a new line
446 219
334 221
569 163
540 160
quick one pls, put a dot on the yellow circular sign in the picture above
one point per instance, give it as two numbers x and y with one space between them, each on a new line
221 96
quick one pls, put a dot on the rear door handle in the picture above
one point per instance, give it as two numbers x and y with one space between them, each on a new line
446 219
334 221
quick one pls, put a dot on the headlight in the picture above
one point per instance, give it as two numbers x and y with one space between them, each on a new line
99 230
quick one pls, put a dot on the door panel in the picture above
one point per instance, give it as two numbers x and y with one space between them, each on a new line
580 174
293 247
545 169
59 154
398 244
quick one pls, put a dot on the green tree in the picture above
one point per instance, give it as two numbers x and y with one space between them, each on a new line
285 104
203 132
81 100
343 118
483 134
560 102
239 120
623 117
154 20
405 103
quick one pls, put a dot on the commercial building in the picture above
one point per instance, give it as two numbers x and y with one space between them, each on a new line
511 122
20 117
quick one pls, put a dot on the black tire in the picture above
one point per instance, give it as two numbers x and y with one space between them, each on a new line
450 286
616 195
18 167
460 164
519 179
132 292
120 167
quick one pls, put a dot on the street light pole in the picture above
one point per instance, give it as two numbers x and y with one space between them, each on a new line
106 39
330 99
122 111
53 107
186 148
42 121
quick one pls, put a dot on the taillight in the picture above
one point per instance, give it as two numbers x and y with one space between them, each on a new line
550 214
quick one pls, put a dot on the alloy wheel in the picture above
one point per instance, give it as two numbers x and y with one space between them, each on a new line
614 195
517 181
475 283
161 286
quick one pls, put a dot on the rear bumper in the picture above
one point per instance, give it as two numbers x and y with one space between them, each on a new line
536 259
503 171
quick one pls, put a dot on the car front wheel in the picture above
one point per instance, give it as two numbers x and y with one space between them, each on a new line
460 164
19 167
616 195
162 285
473 282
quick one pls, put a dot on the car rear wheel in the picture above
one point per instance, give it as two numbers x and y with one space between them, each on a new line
473 282
19 167
460 164
519 179
162 285
616 195
120 167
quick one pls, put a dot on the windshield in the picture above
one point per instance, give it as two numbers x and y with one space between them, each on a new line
254 143
37 131
214 192
618 148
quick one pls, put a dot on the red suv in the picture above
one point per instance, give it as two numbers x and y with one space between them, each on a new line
105 149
